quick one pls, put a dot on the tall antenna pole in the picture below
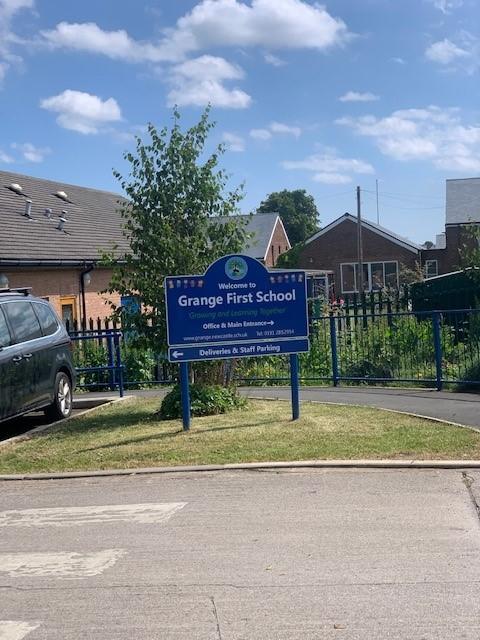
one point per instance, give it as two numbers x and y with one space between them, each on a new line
359 245
378 214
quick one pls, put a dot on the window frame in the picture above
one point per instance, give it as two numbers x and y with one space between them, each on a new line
431 261
369 272
13 335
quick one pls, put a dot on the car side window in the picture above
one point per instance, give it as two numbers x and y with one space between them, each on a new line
23 321
5 338
47 318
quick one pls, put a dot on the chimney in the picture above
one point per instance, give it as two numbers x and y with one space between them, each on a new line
28 209
48 213
62 220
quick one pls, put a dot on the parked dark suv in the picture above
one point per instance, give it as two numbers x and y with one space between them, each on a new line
36 369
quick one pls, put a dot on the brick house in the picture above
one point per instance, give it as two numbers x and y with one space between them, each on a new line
335 247
53 236
462 209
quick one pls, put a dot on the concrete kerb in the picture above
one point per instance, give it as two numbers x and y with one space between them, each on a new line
255 466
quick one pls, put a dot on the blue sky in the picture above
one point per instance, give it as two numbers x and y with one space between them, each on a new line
305 95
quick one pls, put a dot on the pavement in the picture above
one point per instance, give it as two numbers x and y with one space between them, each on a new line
462 408
274 555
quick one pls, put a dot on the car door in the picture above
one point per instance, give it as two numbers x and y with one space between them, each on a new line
9 373
28 345
51 355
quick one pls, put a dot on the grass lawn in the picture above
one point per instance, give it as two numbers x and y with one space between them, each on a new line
128 435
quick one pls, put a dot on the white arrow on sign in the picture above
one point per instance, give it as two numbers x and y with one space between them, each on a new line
177 354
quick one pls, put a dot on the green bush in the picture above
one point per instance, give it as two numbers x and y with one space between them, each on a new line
471 373
138 365
205 400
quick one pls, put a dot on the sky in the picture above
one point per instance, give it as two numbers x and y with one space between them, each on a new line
321 97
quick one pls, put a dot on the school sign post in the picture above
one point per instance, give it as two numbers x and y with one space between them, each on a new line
237 309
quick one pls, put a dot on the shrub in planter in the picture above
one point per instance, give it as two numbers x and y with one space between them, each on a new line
205 400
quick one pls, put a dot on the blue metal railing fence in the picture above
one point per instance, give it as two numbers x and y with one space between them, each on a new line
425 348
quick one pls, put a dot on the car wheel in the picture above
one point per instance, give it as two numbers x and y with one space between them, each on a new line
61 406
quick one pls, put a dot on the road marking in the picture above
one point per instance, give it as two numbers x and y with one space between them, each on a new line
12 630
149 513
64 564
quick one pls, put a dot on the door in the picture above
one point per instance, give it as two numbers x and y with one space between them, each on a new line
69 311
9 374
27 352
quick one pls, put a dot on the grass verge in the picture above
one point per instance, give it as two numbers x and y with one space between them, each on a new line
128 435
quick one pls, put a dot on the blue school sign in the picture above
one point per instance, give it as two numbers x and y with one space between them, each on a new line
236 309
237 300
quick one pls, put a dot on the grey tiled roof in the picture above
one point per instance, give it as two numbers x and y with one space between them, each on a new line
262 226
93 222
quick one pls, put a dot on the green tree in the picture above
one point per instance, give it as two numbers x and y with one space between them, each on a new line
469 251
297 210
175 195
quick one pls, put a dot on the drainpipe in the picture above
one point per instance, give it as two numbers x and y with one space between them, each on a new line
82 293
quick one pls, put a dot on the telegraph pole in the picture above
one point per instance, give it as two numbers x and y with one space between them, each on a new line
359 245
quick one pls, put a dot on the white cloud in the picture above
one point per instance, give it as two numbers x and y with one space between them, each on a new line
329 168
280 127
118 45
8 11
30 152
82 112
274 24
462 53
431 134
444 52
355 96
398 60
260 134
446 6
201 81
331 178
275 128
5 158
234 143
275 61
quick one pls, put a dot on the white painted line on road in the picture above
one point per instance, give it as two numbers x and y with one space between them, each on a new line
60 565
69 516
12 630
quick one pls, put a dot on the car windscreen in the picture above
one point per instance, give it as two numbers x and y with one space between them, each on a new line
23 321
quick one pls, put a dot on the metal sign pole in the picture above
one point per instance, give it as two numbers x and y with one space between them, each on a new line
295 386
185 395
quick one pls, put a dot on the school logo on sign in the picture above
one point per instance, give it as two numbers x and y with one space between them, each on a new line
236 268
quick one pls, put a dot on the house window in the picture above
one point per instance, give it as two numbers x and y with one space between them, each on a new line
376 276
431 268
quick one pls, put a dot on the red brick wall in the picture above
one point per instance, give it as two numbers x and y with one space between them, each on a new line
60 283
339 245
278 245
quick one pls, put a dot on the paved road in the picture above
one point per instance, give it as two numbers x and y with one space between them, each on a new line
289 555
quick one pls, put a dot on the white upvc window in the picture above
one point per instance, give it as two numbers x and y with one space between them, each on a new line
376 275
431 268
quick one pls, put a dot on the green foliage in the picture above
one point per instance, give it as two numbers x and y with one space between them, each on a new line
139 364
297 210
471 373
175 197
89 354
289 259
205 400
470 250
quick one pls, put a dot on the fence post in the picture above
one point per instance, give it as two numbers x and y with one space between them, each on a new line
333 343
118 364
111 373
437 342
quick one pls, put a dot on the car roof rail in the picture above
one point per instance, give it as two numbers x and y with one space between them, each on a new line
22 290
